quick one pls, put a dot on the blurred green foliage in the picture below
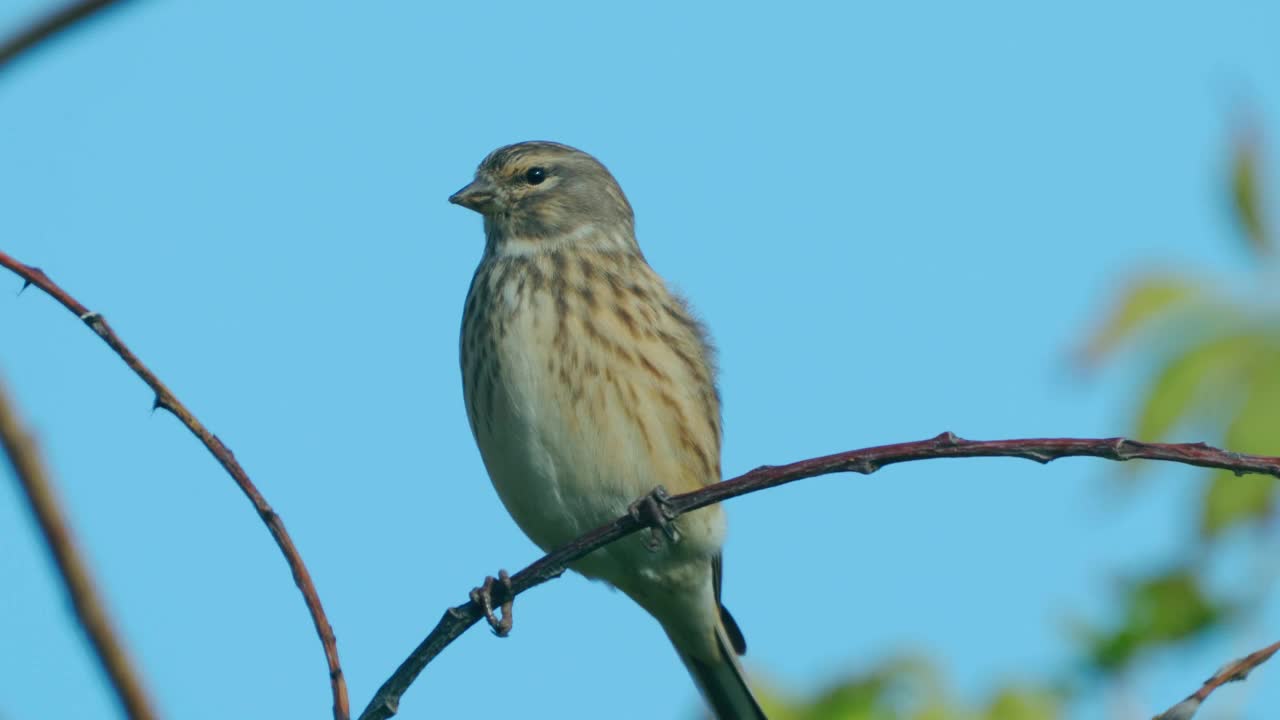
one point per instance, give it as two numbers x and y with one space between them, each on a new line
1214 350
910 689
1217 350
1161 609
1246 190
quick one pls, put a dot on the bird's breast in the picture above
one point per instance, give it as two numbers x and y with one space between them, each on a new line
584 394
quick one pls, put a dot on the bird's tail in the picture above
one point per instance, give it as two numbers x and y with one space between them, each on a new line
721 679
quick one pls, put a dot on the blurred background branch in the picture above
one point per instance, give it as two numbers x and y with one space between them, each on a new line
36 33
36 487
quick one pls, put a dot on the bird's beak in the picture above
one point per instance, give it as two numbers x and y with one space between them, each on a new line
478 196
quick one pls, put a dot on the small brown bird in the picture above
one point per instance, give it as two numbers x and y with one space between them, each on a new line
588 383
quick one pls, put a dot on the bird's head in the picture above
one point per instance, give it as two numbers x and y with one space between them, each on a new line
544 195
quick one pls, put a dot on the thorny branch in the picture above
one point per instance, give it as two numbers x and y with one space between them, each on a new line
164 398
458 619
1233 671
48 26
36 487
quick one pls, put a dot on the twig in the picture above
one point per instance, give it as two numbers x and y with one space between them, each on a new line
166 399
1233 671
35 484
458 619
48 26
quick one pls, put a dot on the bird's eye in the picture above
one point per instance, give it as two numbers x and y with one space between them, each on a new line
536 175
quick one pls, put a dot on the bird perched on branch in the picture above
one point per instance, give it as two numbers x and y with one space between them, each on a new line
588 384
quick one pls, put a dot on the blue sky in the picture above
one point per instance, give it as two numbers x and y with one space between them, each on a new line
895 217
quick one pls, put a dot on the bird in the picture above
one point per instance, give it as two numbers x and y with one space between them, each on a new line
590 388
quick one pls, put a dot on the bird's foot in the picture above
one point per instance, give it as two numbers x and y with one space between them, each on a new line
655 510
483 596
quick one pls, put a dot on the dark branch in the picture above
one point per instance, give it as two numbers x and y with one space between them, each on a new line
458 619
167 400
89 610
1233 671
48 26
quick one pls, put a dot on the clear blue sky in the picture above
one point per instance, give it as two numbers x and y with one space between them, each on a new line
896 218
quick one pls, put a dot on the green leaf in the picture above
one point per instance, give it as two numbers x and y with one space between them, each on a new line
908 688
1145 299
1246 195
1171 607
1196 374
1256 428
859 698
882 693
940 710
1024 704
1158 611
1230 500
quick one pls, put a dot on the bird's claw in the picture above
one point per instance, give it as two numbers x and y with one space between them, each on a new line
483 596
656 511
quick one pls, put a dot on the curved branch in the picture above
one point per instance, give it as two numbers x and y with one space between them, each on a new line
458 619
89 610
164 398
48 26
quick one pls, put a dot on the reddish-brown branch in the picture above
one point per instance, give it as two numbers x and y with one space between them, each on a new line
1233 671
48 26
164 398
89 610
458 619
